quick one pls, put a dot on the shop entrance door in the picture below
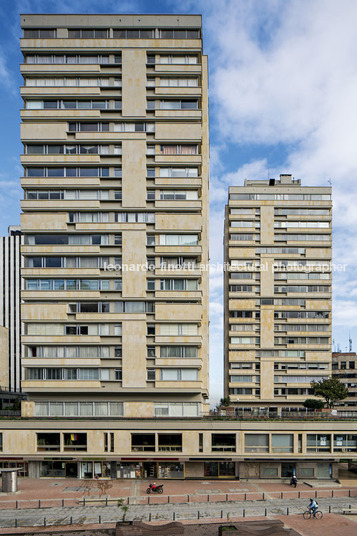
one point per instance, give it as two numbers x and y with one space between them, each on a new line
71 470
288 470
149 470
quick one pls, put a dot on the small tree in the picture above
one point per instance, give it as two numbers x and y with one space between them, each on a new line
124 507
224 402
331 389
312 403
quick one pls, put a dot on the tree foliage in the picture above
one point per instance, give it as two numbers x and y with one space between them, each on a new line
331 389
224 402
313 403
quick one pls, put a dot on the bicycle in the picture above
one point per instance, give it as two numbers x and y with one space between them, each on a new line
309 514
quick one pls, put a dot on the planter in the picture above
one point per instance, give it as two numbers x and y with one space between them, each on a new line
227 530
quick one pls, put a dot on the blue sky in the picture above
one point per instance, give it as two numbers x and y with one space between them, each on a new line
283 87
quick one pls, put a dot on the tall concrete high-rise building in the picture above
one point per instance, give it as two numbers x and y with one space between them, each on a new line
277 292
115 159
10 300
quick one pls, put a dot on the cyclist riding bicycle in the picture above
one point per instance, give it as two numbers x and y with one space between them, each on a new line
313 506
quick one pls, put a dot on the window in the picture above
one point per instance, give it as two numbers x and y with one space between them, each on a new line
179 375
71 58
170 442
282 443
179 351
151 351
179 82
223 442
134 127
179 172
88 127
179 195
118 351
175 104
151 375
318 443
134 33
118 374
150 285
256 442
74 441
178 284
43 33
143 442
74 409
181 33
87 33
108 441
176 59
48 441
150 330
178 240
178 329
176 409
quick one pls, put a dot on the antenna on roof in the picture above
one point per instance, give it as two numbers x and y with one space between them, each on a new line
330 182
350 343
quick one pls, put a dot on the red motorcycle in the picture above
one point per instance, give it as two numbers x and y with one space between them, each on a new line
153 488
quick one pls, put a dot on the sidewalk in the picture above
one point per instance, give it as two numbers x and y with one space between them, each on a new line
41 489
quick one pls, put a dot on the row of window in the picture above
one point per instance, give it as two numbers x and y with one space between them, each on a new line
103 240
107 82
301 340
106 284
302 327
73 82
59 329
102 262
282 211
73 352
116 127
191 149
47 329
106 195
107 33
301 224
71 172
302 288
298 379
301 275
104 409
101 374
106 59
281 264
73 149
173 104
90 171
303 237
73 284
74 59
281 197
174 352
70 104
105 217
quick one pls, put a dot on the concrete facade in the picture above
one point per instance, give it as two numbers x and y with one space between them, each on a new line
176 448
277 293
10 300
115 135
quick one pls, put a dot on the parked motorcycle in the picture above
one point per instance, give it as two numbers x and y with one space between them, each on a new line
153 488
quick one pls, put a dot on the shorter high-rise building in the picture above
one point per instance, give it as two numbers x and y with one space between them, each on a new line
344 366
10 300
277 293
